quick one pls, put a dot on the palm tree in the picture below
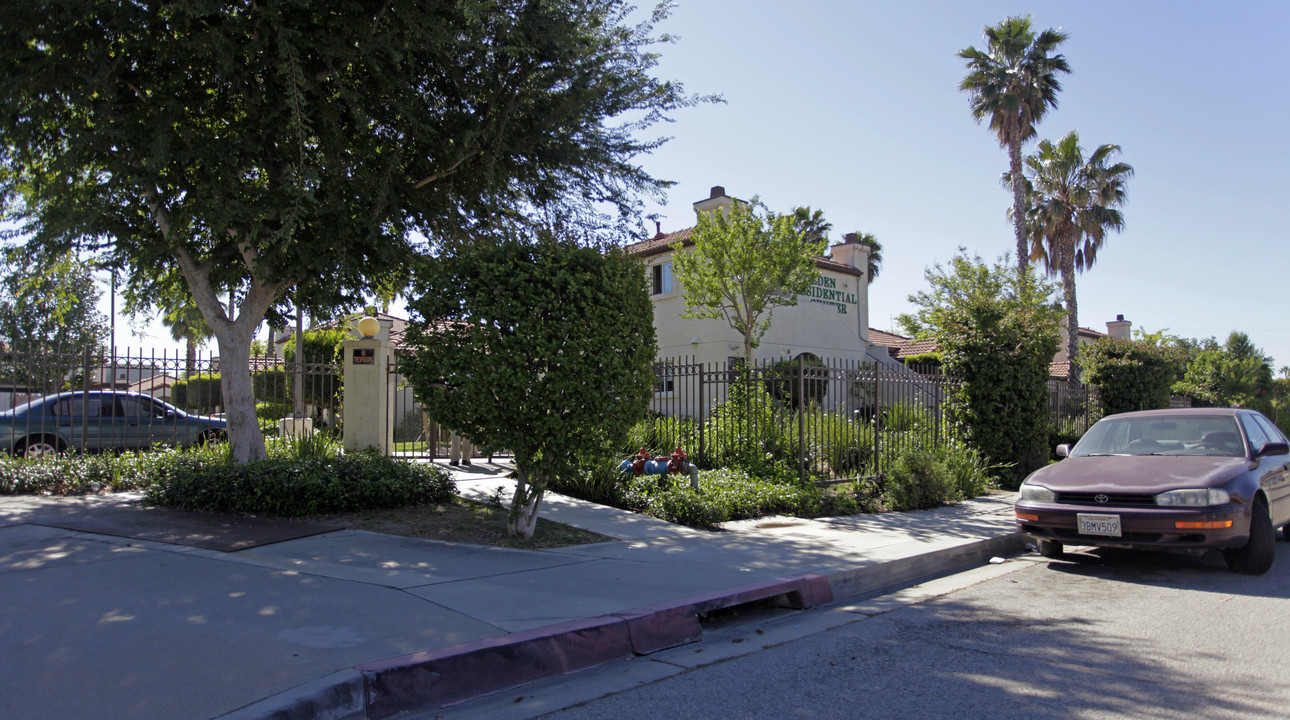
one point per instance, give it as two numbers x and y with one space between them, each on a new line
1014 82
187 323
811 224
875 253
1073 203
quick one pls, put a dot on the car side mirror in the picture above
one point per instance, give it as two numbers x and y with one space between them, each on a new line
1273 448
1063 450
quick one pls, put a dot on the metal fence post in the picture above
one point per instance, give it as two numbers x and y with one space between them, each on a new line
801 418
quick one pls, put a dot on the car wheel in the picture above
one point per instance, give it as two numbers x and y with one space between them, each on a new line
1256 557
1051 549
39 446
211 436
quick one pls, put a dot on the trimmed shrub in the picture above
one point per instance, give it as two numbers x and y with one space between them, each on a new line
1130 375
198 393
298 487
919 480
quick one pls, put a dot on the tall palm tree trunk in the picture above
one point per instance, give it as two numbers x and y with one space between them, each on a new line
1072 315
1019 206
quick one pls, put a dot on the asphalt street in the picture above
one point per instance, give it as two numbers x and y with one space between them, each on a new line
1104 635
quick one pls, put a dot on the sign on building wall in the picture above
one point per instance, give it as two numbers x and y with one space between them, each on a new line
825 292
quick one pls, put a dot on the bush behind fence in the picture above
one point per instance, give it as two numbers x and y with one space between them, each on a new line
824 419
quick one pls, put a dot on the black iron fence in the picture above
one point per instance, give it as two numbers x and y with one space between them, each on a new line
101 400
1071 408
833 419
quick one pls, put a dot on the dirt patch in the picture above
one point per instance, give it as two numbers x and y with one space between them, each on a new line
462 521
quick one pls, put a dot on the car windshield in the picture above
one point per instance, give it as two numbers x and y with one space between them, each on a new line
1163 435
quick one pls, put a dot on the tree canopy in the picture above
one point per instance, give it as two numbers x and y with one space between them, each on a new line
546 349
267 147
1235 374
746 261
48 318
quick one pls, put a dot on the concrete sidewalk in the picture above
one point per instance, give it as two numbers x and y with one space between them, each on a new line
351 624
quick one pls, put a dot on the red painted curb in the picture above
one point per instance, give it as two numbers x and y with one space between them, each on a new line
469 670
676 622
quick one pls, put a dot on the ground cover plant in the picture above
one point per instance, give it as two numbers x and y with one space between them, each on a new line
300 477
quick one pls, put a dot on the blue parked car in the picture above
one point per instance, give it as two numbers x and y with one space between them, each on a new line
101 420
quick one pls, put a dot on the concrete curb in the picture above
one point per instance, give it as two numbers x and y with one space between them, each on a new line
874 579
469 670
339 696
436 678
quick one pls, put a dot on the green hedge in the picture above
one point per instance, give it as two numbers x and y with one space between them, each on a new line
287 488
1130 375
205 478
199 393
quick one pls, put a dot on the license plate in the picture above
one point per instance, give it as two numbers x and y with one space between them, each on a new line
1098 524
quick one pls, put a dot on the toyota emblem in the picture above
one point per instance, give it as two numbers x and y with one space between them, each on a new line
1101 498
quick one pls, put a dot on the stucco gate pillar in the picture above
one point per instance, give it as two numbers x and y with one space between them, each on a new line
369 394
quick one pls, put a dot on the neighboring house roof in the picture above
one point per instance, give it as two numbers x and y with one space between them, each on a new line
153 384
662 242
900 346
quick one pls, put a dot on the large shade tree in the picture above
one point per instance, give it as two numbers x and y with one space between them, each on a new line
1013 82
287 147
1073 203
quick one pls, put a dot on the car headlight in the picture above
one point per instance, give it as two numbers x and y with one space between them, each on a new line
1037 493
1200 497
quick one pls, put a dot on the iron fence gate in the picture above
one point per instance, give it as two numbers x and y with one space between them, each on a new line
101 400
834 419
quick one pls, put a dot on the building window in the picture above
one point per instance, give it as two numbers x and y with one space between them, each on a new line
662 278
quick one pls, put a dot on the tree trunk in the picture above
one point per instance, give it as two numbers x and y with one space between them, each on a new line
239 401
1019 205
1072 315
233 338
233 335
190 354
522 521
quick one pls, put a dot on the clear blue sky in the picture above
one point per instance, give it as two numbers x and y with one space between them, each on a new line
854 108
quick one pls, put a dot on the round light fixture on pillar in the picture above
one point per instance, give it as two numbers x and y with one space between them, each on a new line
369 327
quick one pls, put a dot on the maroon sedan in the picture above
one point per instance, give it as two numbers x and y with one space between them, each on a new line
1166 479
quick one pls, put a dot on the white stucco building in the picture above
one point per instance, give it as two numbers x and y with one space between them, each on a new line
831 321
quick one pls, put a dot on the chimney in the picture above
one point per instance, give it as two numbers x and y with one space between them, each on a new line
1119 329
851 252
716 200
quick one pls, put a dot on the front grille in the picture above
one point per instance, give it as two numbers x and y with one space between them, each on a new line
1072 535
1112 499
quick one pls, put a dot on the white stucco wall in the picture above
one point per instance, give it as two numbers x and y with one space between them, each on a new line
827 322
